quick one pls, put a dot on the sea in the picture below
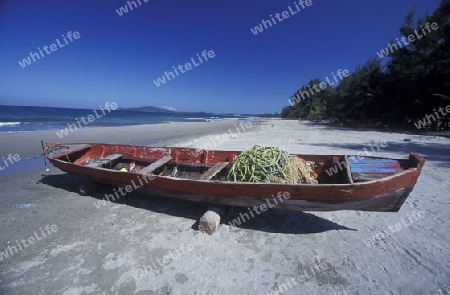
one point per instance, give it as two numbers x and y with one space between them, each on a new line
28 118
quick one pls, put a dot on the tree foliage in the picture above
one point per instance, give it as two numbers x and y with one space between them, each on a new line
413 81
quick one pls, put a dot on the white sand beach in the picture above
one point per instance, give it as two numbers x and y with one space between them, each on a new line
150 245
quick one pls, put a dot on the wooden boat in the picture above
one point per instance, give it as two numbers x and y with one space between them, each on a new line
369 184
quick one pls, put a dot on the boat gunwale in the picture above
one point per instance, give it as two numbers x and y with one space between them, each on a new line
416 157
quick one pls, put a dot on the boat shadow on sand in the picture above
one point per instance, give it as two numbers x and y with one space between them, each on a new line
280 221
271 221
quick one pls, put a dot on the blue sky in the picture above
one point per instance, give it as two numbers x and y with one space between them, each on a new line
117 57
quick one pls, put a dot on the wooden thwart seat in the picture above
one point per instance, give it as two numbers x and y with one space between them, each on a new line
211 172
349 170
334 162
153 166
108 162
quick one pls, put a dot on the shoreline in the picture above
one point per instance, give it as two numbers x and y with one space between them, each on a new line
121 135
28 144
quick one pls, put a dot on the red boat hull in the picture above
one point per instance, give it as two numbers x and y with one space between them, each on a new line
386 192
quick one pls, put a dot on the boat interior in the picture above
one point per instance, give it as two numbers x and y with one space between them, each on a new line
189 163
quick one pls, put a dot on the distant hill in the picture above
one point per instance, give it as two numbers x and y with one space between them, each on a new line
149 109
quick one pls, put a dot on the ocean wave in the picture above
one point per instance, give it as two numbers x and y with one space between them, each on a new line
9 124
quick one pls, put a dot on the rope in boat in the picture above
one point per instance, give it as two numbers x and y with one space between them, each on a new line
260 164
